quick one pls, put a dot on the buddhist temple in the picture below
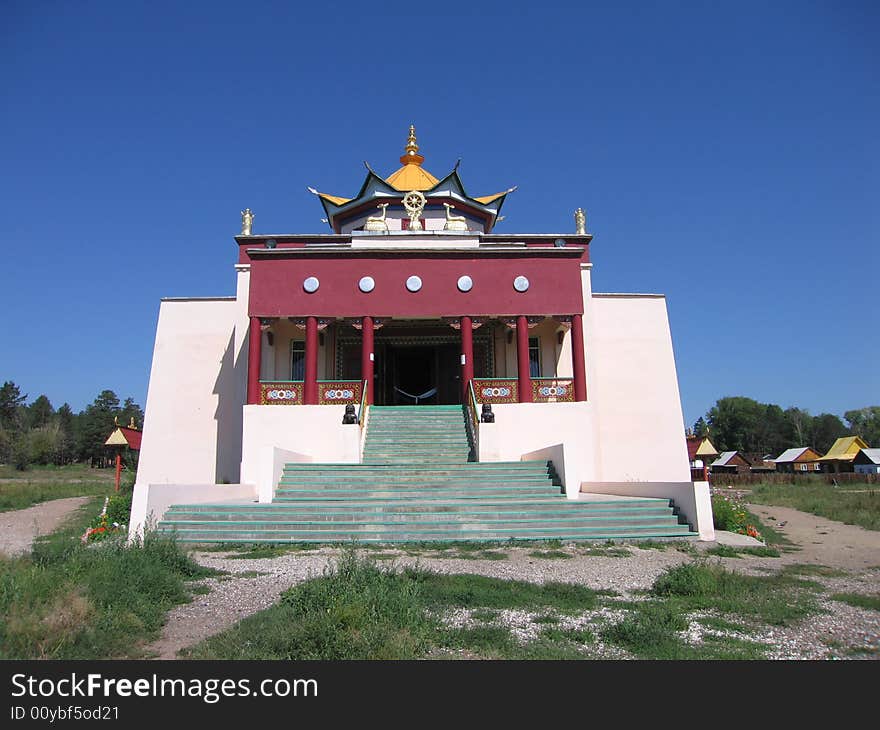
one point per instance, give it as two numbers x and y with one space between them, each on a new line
412 374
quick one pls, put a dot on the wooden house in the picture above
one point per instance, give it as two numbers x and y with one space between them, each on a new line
731 462
841 455
867 461
799 460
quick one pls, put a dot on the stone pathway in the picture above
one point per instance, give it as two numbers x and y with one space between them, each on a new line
19 527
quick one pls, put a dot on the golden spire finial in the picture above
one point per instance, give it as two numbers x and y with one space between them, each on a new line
411 154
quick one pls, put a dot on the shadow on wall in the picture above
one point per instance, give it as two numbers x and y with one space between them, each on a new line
229 389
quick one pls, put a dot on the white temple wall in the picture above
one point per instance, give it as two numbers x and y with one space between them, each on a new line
316 433
195 390
633 382
560 432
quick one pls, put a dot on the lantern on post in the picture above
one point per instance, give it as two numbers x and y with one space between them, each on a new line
123 437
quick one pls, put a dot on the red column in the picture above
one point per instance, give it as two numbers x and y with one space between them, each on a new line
367 358
255 347
522 359
118 468
467 356
310 387
577 357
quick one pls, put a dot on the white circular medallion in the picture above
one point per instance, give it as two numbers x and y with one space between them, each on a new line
521 284
366 284
311 284
414 283
465 283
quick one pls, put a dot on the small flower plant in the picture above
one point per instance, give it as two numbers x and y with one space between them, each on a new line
731 515
103 528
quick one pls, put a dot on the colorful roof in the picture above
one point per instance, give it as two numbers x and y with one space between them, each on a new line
411 176
844 449
125 436
700 446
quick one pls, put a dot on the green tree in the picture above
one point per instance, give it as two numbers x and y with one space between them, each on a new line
95 424
40 412
800 427
735 423
865 422
701 428
64 452
11 404
827 428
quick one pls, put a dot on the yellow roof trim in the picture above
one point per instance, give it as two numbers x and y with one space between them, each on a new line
486 199
411 177
335 199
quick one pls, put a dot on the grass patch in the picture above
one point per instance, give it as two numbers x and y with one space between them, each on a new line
810 569
546 618
607 550
485 614
730 551
654 631
257 551
576 636
719 624
780 599
69 601
860 507
19 490
858 600
477 591
357 610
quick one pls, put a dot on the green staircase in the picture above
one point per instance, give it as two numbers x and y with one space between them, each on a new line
416 483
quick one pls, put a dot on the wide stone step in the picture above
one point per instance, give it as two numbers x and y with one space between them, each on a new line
485 465
383 535
406 493
426 482
551 503
394 522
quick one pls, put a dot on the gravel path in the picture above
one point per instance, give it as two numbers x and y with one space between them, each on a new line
853 552
18 528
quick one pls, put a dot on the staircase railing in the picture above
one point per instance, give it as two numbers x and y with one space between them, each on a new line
362 413
474 420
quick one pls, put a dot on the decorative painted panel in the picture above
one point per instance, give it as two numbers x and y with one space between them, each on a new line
552 390
281 393
339 391
496 391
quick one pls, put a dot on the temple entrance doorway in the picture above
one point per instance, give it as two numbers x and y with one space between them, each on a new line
415 362
420 374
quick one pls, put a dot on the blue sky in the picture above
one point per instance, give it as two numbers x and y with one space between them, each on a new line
726 155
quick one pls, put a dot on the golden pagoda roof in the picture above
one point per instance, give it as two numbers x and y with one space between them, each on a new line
411 176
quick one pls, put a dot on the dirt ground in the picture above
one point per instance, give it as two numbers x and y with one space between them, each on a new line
18 528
